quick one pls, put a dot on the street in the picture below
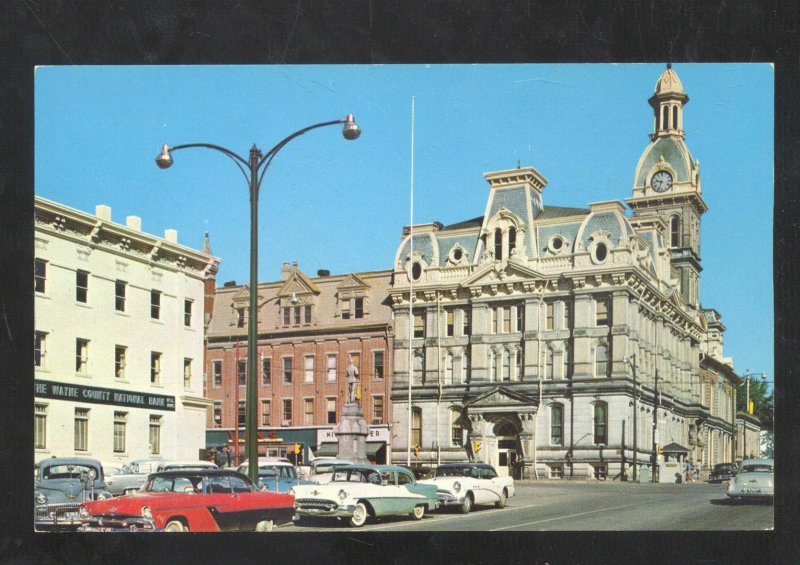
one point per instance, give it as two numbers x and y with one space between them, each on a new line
588 506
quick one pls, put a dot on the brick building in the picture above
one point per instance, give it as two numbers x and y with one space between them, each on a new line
309 329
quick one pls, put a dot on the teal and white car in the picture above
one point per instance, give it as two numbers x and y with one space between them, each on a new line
360 492
755 480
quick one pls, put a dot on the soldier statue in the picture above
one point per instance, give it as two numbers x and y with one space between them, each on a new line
352 382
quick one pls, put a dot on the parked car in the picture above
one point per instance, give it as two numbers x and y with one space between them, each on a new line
61 485
462 485
359 492
145 466
755 480
274 474
194 500
722 472
321 468
120 479
175 465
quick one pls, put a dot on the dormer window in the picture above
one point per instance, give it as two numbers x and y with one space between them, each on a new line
512 240
675 231
498 244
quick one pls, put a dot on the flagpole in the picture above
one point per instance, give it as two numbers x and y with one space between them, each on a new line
410 289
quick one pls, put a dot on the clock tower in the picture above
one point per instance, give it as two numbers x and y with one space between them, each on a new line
667 184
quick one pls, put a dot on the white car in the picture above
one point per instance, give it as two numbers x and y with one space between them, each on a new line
755 480
359 492
321 469
463 485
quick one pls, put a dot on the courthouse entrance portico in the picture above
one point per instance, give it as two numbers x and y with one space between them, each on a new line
501 424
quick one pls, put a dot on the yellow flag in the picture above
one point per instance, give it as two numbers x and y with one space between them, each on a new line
751 407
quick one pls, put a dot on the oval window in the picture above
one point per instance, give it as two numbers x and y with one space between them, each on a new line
457 254
557 243
600 252
416 271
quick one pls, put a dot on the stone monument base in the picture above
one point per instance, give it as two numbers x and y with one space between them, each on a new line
351 432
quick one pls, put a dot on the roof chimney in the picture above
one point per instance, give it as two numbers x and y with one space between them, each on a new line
286 269
103 212
134 223
171 235
323 273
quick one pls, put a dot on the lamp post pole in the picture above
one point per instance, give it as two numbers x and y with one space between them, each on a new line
632 363
654 455
253 169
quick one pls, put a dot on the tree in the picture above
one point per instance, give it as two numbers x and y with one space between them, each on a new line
762 400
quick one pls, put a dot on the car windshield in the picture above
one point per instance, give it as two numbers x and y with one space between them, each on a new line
279 471
457 472
117 470
325 467
757 468
70 471
199 484
357 476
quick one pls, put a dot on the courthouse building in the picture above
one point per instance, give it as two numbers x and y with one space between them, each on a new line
309 330
118 338
530 324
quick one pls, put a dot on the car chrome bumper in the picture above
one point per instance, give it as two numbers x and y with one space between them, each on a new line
340 511
131 524
448 499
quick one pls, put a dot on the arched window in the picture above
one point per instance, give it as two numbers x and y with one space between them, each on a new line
419 367
674 117
567 361
506 365
464 367
548 364
665 118
416 426
675 231
601 361
518 365
512 240
601 423
456 431
448 369
498 244
492 360
556 424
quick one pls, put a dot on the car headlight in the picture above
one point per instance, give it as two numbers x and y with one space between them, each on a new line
146 514
342 494
83 512
456 486
41 498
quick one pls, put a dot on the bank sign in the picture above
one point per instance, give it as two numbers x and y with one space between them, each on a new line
375 434
96 395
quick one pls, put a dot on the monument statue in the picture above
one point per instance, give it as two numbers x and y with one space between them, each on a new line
352 382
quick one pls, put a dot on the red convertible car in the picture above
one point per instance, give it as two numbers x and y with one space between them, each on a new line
193 500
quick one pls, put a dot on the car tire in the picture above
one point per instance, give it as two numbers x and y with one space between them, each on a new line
418 512
501 503
265 526
175 526
360 515
466 506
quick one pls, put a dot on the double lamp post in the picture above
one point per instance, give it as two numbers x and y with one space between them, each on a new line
253 169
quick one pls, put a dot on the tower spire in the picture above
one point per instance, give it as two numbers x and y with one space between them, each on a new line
668 102
206 245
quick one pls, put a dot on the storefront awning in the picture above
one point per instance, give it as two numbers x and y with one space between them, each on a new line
332 449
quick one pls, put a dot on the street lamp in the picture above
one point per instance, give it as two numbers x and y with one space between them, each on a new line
632 363
254 169
746 382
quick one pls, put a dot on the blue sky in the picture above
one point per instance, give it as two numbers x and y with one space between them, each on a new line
333 204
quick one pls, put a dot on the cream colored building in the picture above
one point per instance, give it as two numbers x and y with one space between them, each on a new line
529 322
118 339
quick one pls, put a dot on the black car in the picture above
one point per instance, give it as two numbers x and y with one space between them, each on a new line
722 472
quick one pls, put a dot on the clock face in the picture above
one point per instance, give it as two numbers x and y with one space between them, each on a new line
661 181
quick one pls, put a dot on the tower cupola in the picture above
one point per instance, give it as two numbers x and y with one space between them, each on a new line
667 103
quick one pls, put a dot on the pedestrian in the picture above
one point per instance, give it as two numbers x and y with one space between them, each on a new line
228 456
698 468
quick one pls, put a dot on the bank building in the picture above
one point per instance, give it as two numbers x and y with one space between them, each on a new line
536 332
